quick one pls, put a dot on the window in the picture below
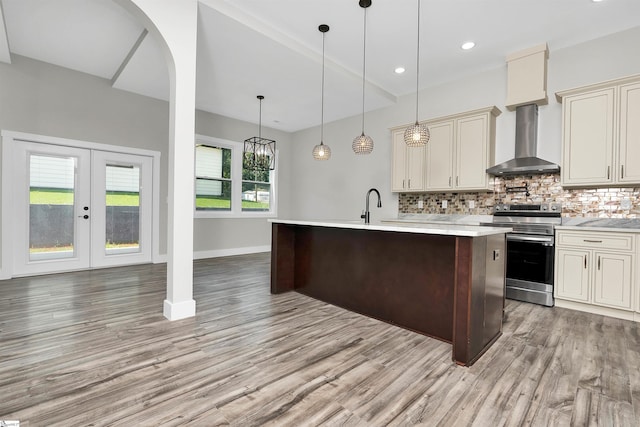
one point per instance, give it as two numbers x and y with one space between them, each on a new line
256 190
224 187
213 178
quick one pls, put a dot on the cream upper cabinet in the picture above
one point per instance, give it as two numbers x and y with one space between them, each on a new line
407 171
439 160
460 150
629 154
473 152
600 135
588 126
595 268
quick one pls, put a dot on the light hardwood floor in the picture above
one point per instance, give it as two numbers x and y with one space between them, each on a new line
92 348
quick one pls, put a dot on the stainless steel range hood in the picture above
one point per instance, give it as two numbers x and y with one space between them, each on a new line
525 161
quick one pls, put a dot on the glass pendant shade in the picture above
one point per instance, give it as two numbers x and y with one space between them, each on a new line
362 144
321 152
416 135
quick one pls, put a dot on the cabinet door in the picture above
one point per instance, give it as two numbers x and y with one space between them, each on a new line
471 153
629 153
415 168
439 160
399 162
587 140
572 274
612 283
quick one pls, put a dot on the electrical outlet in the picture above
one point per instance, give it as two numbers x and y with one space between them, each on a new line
625 204
445 204
472 204
420 204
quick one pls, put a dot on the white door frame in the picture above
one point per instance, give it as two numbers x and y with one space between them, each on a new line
24 262
99 256
9 138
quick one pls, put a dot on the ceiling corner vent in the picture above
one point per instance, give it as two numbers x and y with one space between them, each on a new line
527 77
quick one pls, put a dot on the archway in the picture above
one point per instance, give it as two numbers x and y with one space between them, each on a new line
174 23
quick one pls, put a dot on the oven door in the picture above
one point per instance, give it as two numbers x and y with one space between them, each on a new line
530 260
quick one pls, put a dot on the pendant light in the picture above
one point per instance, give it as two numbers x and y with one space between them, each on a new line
259 152
363 144
322 151
418 134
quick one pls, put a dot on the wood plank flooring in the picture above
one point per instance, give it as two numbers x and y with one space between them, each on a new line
92 348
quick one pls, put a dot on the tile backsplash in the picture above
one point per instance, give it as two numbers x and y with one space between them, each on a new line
583 202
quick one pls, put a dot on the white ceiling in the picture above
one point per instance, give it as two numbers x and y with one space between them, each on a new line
273 48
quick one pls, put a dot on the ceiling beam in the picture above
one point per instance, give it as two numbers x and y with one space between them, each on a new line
235 13
127 59
5 54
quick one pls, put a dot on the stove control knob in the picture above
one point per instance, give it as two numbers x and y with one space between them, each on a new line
554 207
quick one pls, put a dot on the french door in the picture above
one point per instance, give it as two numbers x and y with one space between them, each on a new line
77 208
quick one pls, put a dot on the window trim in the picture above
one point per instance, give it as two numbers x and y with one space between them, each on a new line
236 183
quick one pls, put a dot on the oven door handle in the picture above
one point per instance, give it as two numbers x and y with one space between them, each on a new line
545 240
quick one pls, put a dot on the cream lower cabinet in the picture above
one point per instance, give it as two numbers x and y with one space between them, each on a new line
595 269
407 169
601 134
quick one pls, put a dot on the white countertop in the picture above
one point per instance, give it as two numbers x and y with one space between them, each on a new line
619 225
403 227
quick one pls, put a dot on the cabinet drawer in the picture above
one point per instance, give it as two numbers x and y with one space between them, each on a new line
615 241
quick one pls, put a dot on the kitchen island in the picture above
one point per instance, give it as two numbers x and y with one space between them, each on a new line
444 281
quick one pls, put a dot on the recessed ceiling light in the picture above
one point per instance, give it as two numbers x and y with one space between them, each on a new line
467 45
399 70
597 1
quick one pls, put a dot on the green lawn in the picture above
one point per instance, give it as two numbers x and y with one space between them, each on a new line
221 203
49 196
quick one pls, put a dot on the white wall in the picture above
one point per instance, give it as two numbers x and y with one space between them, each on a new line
336 188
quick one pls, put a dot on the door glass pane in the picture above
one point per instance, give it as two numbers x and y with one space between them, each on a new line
51 207
122 209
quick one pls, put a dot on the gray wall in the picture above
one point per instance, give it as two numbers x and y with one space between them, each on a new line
336 189
213 234
40 98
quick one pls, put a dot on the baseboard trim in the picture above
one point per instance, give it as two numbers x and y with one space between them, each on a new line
179 310
595 309
231 252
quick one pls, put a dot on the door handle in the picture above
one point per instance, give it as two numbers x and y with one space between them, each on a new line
83 216
621 171
585 261
449 181
598 263
608 172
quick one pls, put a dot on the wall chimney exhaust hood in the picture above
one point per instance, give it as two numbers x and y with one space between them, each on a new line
525 161
526 89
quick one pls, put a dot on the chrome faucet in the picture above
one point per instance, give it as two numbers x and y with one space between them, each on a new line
366 214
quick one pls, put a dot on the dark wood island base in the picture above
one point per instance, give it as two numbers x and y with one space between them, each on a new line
449 287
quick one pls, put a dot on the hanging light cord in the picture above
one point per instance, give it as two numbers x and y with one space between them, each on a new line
364 63
322 103
418 63
260 121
